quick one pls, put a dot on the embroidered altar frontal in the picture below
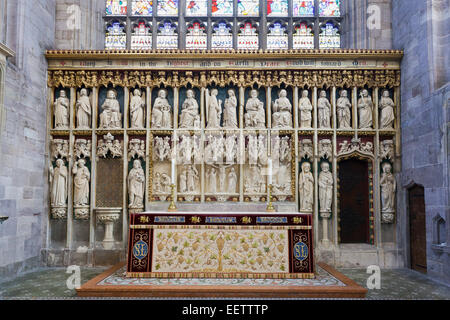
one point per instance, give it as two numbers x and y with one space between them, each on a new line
220 246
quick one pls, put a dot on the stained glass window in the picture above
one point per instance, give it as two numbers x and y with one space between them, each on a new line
248 7
329 8
196 37
222 37
116 7
277 37
116 38
167 7
329 37
167 37
278 8
141 37
142 7
303 8
303 37
198 8
248 36
222 8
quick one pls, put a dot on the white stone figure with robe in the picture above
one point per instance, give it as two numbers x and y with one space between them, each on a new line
324 110
211 176
165 182
161 112
81 179
282 111
62 111
344 106
58 182
111 118
189 110
192 177
183 181
136 185
157 186
255 116
325 190
305 108
387 115
137 110
230 111
306 188
84 110
388 189
365 110
213 109
232 181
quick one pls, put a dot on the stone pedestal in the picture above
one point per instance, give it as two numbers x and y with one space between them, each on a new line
59 213
108 216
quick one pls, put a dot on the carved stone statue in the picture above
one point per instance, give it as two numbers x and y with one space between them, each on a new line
252 148
212 180
230 112
232 181
137 110
84 110
111 118
192 177
162 148
214 109
157 185
365 110
62 111
183 181
325 190
136 185
388 189
58 182
230 148
161 113
81 179
255 116
344 111
387 116
305 108
282 111
306 188
324 110
189 111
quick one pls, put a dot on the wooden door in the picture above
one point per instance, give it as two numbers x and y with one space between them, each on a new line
354 201
417 235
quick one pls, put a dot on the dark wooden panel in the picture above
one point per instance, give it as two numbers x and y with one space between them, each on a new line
109 193
418 240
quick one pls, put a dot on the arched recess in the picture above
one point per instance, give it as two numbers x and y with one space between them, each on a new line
417 228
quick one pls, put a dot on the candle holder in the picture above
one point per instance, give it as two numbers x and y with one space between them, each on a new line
172 206
270 207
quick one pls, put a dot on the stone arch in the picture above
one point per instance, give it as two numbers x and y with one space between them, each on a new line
439 230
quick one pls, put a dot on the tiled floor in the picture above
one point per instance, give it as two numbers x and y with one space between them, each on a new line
395 284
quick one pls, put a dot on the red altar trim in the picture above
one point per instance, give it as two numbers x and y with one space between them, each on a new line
220 275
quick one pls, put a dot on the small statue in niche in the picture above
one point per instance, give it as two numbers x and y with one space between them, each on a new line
84 110
82 176
255 116
282 111
324 110
306 188
161 113
214 109
157 186
388 188
230 148
62 111
325 190
343 111
136 185
252 148
230 113
189 111
58 182
387 116
137 110
365 109
212 180
232 181
183 181
111 118
305 108
192 177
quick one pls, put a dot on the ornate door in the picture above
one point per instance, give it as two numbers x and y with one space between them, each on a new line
417 235
354 201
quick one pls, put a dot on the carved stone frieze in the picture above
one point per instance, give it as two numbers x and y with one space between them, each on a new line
306 149
355 145
387 150
82 148
325 149
136 148
109 144
59 148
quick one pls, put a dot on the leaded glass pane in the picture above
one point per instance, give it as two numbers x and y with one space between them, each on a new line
167 37
142 7
222 37
329 38
222 8
116 38
167 7
116 7
141 37
197 8
248 8
277 8
196 37
303 8
329 8
248 36
277 38
303 37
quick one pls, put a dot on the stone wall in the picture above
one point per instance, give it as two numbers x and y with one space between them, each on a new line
419 28
23 188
